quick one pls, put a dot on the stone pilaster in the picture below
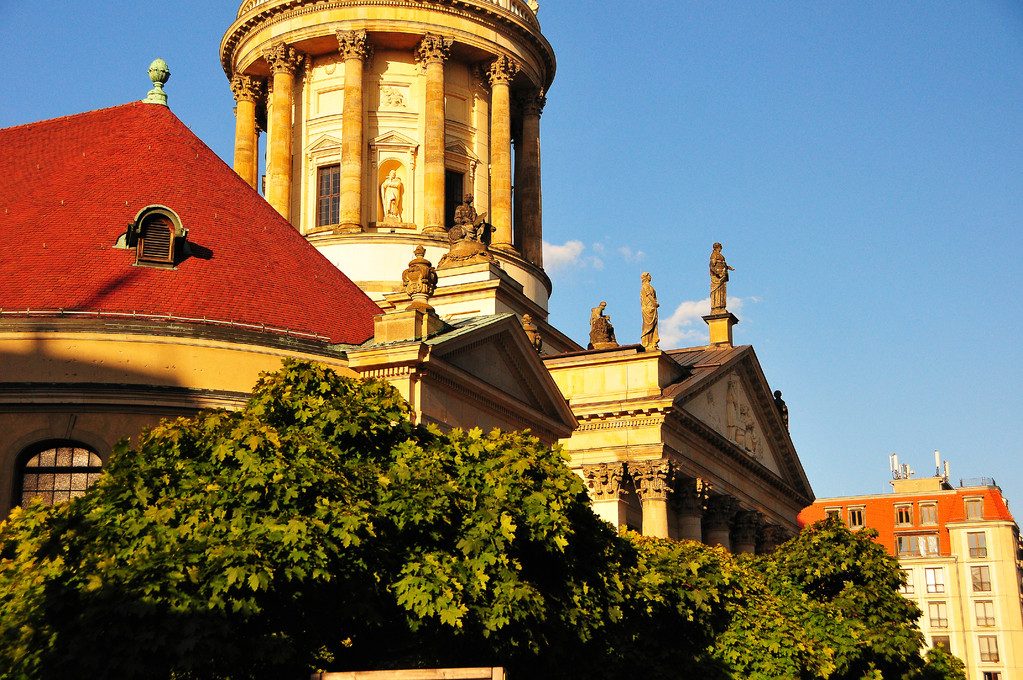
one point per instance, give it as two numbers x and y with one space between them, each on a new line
501 72
527 183
690 500
354 48
247 92
284 61
745 527
717 520
431 53
654 480
604 483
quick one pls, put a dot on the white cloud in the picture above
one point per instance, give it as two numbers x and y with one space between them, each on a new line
570 254
630 255
685 327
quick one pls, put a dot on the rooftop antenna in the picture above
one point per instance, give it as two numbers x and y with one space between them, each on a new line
946 471
937 463
893 463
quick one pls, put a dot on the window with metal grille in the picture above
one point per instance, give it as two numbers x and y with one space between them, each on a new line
988 648
58 472
937 613
981 579
328 195
977 542
985 611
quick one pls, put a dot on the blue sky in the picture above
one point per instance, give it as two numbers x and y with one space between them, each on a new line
860 162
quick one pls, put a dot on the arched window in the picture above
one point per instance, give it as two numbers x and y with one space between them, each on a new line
57 471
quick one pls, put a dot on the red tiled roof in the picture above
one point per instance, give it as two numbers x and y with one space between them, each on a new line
72 185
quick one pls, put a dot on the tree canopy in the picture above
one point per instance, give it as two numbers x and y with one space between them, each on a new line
318 528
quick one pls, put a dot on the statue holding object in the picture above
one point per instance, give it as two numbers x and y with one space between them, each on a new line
718 281
469 237
602 333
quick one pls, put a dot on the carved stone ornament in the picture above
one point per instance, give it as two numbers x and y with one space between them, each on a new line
419 281
354 45
502 70
604 480
720 510
602 333
392 97
653 478
532 332
648 305
469 238
247 88
532 103
690 498
718 281
282 58
433 48
745 526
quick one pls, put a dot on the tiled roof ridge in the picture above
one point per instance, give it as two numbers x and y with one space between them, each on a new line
69 116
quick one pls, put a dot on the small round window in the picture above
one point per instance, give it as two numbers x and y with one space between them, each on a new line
59 472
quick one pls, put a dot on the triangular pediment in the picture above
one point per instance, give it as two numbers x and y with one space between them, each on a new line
458 148
393 138
322 143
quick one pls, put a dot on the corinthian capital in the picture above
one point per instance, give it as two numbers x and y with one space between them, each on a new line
502 70
433 48
532 102
283 58
604 480
354 45
653 478
247 88
720 511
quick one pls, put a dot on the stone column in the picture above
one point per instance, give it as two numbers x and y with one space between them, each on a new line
283 61
653 479
744 531
354 49
690 499
528 183
502 70
769 538
247 91
604 482
717 521
259 128
431 53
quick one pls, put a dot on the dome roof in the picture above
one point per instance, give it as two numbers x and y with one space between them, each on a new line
73 185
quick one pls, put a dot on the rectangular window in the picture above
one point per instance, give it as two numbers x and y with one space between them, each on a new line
907 587
833 512
929 545
856 518
981 578
988 648
929 514
985 613
942 641
328 195
935 579
904 515
937 612
974 508
978 543
911 545
991 675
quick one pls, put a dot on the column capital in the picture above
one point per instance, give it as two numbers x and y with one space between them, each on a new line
532 102
502 70
433 49
770 536
720 510
746 524
283 58
354 45
691 496
653 478
604 480
247 88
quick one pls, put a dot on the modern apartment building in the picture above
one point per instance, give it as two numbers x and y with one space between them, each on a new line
961 552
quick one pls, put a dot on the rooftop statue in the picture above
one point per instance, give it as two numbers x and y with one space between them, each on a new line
602 333
469 237
718 281
648 302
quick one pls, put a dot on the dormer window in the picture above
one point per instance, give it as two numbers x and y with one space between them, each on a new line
157 236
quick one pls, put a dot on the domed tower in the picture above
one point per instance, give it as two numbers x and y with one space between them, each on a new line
380 116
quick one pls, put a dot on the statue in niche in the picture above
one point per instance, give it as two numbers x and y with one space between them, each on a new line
390 195
532 332
783 409
602 333
718 281
469 237
649 305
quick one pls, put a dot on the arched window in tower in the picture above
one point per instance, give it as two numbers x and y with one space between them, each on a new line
57 471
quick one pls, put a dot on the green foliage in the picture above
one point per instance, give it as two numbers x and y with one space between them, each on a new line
318 528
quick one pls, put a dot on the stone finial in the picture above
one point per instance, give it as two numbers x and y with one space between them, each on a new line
718 281
532 332
159 74
469 238
602 333
419 281
533 5
648 304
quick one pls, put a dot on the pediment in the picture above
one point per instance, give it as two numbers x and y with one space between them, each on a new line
459 148
393 139
322 143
